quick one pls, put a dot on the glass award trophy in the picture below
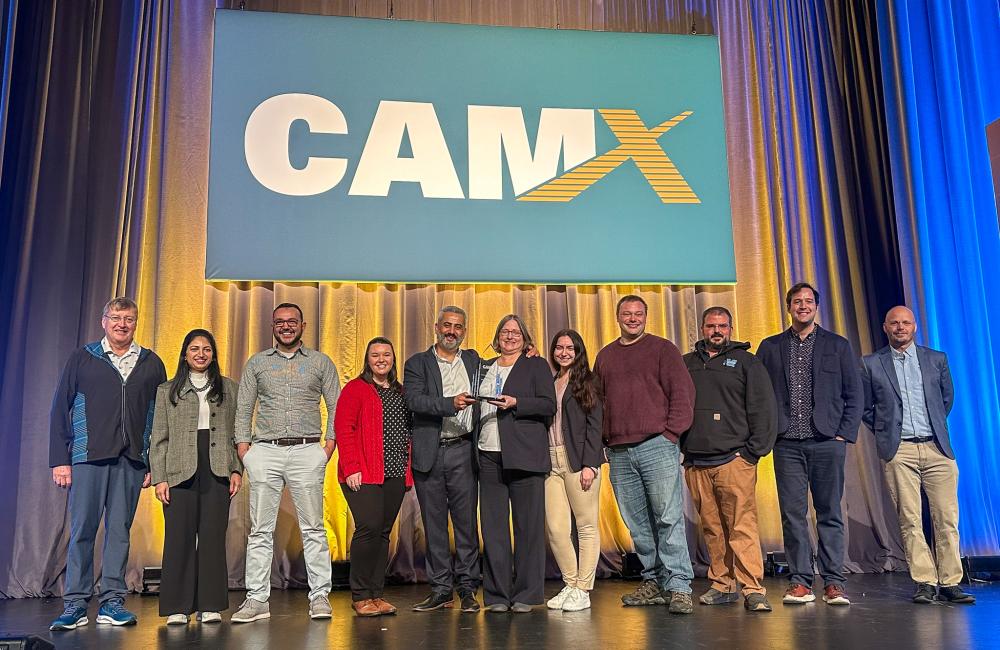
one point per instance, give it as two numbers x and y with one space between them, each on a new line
482 389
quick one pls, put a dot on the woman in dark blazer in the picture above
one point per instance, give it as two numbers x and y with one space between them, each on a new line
195 471
573 488
512 440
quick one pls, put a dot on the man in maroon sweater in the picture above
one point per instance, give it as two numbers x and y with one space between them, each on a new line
648 403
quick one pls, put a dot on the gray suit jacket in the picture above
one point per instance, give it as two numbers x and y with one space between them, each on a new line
173 446
883 411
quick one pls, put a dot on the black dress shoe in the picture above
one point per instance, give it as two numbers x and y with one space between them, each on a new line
469 603
955 595
432 602
924 594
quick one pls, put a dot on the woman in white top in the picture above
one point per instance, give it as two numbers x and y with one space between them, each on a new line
513 462
196 472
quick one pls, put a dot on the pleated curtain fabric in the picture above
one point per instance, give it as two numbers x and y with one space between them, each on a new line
106 182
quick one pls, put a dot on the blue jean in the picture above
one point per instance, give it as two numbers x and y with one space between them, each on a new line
108 489
647 480
811 466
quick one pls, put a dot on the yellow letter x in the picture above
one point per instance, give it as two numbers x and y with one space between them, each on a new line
637 143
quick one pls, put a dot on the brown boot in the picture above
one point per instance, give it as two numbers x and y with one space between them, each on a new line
384 606
367 607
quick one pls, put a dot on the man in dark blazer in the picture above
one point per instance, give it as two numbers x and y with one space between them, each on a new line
816 381
908 395
437 384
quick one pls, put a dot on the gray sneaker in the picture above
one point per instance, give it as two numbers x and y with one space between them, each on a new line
648 593
756 603
319 607
251 610
680 603
715 597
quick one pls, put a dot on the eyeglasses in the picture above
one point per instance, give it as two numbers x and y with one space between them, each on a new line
291 323
128 320
511 334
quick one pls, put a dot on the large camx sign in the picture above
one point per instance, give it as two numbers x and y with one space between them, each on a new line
376 150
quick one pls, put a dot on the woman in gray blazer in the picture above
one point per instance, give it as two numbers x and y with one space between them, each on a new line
196 471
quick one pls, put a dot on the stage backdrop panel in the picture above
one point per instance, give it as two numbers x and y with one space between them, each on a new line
421 152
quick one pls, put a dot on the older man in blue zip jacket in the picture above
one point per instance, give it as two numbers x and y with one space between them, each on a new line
102 417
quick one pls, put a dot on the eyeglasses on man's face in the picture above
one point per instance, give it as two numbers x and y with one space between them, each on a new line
291 322
116 319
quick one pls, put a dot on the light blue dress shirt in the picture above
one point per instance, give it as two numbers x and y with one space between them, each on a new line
916 423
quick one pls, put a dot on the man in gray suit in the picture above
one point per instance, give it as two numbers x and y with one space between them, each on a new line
438 386
908 395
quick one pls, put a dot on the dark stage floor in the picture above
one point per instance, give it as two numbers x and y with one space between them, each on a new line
881 616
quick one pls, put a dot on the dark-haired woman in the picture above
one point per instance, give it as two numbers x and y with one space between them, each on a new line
573 488
373 435
513 462
196 472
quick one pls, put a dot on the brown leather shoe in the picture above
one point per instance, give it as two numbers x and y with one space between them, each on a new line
384 606
367 607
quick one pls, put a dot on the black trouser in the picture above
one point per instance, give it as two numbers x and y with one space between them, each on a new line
450 486
803 468
374 508
505 496
195 576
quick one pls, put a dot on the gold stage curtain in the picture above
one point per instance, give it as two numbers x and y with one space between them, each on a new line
794 200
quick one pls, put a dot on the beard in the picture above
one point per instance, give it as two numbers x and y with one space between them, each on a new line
451 344
716 347
293 343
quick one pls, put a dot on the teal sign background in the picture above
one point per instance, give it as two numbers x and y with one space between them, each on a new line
617 231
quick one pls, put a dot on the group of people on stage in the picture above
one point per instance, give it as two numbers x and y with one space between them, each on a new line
515 442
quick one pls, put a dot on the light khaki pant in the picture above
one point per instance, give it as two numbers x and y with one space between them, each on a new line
725 497
565 500
918 465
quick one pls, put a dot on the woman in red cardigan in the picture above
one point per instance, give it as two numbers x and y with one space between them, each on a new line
373 435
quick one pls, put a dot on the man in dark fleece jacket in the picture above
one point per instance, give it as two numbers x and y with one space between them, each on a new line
648 402
102 416
735 425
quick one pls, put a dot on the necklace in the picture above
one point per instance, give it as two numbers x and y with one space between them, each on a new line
195 388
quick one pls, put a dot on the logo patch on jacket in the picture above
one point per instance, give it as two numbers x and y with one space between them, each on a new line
729 363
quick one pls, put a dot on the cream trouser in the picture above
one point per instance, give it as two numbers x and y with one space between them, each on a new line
565 500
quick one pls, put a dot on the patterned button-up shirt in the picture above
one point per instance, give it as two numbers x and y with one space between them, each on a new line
916 422
125 363
800 386
286 392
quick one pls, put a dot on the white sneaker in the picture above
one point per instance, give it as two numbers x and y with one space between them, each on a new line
556 602
177 619
210 617
579 600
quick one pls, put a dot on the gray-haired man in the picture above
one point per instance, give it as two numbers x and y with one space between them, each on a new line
438 383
